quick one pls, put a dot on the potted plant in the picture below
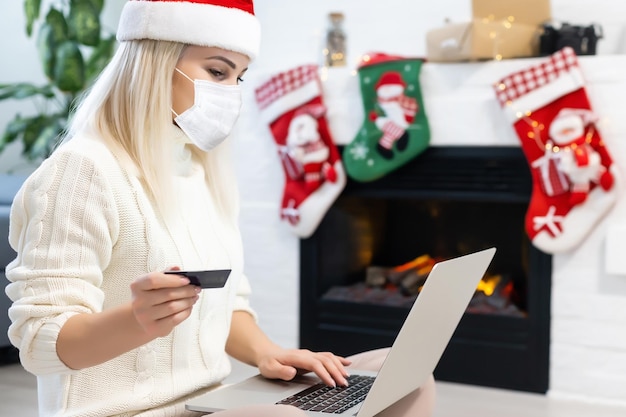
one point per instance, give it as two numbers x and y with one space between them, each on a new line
73 49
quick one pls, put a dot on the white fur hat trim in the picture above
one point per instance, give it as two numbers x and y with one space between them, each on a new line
191 23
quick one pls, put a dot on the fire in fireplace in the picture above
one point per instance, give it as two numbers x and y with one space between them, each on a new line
363 268
400 285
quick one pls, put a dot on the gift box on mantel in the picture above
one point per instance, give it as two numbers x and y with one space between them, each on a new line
499 29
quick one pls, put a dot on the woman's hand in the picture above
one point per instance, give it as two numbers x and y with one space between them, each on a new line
162 301
285 364
248 344
159 303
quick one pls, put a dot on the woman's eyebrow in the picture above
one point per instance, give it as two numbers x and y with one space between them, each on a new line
225 60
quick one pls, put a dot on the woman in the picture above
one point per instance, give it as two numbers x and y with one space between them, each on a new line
141 185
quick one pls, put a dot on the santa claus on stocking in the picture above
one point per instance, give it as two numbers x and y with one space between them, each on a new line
306 147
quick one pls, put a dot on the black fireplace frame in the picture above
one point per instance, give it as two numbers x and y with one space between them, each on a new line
516 348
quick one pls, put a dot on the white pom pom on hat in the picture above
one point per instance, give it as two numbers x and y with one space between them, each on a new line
226 24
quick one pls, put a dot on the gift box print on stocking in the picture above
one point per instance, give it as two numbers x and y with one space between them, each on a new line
395 129
291 104
574 178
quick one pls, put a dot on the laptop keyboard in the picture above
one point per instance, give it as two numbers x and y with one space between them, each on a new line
321 397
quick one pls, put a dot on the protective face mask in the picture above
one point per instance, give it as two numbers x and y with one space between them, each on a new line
214 113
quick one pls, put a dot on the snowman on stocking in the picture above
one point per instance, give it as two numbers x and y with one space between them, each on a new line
573 132
291 104
394 114
575 182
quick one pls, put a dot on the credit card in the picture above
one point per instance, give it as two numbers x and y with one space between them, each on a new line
215 278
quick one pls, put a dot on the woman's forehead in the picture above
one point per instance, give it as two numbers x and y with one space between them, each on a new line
195 52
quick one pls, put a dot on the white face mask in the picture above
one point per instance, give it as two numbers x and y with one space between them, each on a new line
213 114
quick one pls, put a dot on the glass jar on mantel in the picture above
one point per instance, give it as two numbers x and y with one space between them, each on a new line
335 50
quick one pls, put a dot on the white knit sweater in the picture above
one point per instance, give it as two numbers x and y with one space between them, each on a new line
84 229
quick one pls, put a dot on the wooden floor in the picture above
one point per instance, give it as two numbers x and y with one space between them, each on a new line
18 398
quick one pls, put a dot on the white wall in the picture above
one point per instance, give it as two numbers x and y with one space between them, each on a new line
588 346
292 30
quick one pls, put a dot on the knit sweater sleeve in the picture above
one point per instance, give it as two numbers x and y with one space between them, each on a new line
244 290
242 299
63 228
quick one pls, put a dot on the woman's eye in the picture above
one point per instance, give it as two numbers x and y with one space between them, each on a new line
239 80
216 73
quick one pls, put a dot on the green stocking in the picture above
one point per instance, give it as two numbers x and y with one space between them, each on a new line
395 129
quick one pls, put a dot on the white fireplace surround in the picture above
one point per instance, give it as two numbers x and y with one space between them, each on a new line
588 324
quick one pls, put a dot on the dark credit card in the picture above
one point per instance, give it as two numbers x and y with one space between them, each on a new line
215 278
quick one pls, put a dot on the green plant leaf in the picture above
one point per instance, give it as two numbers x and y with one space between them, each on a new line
45 47
100 57
31 9
15 128
57 21
52 32
69 68
98 5
47 138
84 22
34 126
39 134
24 90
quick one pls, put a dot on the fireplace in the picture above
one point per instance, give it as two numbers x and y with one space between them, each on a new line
447 202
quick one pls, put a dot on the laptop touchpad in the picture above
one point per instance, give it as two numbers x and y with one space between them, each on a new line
261 384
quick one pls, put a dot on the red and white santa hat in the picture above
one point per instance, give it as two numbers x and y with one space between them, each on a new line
391 78
227 24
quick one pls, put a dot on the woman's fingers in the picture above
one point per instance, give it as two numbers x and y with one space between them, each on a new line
172 306
327 366
162 301
159 320
158 280
163 296
330 369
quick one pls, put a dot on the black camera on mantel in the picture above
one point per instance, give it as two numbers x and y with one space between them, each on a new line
583 39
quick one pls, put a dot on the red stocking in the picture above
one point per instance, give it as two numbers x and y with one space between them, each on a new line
574 179
291 104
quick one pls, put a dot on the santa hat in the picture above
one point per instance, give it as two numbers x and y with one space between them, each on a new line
226 24
390 78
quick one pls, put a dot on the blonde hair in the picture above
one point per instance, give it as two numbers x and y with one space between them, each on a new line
129 107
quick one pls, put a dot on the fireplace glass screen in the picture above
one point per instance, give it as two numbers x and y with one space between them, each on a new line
389 246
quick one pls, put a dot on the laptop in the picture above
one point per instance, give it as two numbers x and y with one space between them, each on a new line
415 352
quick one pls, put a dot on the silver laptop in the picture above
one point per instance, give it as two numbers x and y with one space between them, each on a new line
410 362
